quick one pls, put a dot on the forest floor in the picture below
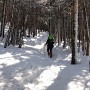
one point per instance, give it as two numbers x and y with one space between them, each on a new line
30 68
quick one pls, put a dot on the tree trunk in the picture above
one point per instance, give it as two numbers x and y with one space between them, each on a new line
3 18
74 35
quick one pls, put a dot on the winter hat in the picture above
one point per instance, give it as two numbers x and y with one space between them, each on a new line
50 37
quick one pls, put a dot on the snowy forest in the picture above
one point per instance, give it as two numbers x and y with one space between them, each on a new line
67 20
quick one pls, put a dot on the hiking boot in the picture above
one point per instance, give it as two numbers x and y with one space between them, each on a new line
50 55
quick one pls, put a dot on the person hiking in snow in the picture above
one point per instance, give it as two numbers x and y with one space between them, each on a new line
50 45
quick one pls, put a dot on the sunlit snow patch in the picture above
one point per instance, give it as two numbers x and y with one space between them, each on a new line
46 78
7 59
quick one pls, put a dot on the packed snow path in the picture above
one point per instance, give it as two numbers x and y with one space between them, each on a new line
29 68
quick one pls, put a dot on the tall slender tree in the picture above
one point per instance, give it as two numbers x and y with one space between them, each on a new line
74 33
3 18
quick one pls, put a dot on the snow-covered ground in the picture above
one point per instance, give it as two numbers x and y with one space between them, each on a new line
29 68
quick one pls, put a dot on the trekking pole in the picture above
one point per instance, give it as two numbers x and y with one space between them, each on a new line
44 48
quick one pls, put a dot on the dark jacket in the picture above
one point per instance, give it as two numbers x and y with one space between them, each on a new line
50 43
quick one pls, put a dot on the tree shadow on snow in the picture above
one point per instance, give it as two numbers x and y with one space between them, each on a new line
72 76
